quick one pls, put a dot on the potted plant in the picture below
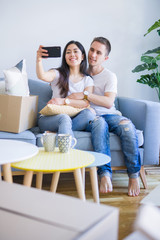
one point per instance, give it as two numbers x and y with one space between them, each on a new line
150 61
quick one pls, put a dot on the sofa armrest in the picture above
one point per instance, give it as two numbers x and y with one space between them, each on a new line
145 115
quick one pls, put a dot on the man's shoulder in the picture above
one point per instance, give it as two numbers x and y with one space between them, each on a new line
106 75
108 72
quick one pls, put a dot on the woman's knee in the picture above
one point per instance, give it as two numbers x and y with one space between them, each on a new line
64 118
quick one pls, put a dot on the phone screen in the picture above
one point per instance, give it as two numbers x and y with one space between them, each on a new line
54 52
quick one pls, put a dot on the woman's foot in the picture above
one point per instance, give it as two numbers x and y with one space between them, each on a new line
133 187
105 185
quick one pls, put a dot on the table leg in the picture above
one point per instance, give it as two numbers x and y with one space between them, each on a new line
79 184
39 178
28 178
83 176
7 173
94 184
54 183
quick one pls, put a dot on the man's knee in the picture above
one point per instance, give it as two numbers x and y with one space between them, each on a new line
99 122
125 124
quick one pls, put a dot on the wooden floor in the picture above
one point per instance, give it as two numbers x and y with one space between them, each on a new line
128 206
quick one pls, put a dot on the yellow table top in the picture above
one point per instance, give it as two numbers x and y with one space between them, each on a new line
56 161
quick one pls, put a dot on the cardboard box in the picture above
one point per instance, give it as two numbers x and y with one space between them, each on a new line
17 113
29 213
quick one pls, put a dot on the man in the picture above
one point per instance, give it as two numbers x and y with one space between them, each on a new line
102 101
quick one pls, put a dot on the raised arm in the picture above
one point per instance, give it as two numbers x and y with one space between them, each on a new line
47 76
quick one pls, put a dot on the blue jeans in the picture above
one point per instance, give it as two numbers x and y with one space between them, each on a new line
100 129
62 123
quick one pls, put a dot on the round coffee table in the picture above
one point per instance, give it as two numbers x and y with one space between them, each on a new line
56 162
13 151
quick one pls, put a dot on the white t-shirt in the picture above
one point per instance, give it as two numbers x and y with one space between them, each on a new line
86 81
105 81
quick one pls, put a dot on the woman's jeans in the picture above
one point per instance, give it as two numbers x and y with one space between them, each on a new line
100 129
62 123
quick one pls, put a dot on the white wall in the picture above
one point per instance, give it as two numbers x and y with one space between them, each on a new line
24 25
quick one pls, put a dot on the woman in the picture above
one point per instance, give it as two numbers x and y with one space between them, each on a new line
70 78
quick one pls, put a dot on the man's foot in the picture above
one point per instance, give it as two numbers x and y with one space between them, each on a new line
133 187
105 185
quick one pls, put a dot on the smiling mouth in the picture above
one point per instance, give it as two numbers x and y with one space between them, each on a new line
92 60
73 59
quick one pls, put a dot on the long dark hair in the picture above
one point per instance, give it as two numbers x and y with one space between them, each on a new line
64 68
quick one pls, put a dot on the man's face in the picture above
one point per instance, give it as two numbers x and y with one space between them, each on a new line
97 54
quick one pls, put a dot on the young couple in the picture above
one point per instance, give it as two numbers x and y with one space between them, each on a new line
74 85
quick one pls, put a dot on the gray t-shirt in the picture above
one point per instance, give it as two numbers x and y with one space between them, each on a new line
105 81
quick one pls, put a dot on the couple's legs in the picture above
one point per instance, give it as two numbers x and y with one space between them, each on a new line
62 123
127 133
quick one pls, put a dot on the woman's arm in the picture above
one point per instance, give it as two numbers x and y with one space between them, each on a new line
78 103
48 76
71 102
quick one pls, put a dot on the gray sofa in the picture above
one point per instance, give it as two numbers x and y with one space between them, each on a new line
144 114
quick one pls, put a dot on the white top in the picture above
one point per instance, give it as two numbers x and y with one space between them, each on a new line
86 81
105 81
14 151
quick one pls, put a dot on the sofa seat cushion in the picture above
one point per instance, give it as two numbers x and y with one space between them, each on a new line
84 140
26 136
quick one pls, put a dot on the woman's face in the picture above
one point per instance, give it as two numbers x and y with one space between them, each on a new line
73 55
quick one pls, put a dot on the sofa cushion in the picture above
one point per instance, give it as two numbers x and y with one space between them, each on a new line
16 80
53 109
43 90
84 140
26 136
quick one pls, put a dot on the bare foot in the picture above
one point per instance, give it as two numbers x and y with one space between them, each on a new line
105 185
133 187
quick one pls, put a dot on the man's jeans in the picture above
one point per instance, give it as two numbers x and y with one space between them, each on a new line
100 129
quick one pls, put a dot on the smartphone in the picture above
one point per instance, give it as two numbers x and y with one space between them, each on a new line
53 52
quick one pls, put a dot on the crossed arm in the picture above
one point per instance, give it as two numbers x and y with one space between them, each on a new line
105 101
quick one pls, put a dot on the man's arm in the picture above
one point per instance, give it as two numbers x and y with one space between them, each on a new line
105 101
80 95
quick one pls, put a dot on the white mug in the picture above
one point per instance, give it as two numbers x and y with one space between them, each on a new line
49 141
65 142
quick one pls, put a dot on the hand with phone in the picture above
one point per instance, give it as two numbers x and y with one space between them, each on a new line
48 52
41 53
